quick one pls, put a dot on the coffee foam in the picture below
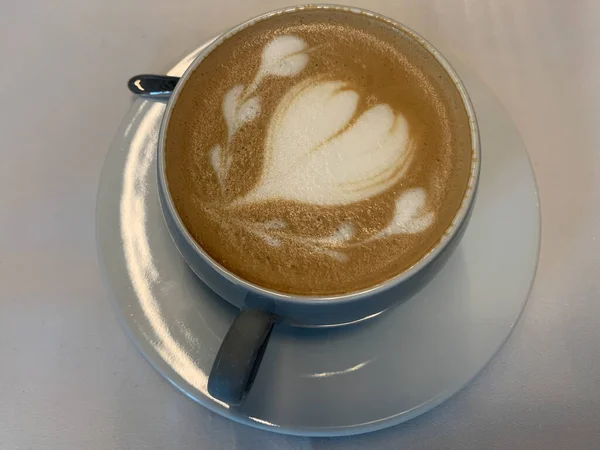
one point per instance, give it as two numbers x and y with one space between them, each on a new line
337 152
318 152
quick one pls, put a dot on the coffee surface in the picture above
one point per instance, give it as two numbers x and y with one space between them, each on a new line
318 152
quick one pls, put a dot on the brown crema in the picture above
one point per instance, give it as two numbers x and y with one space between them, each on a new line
276 249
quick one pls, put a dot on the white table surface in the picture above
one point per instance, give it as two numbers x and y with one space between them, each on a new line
70 379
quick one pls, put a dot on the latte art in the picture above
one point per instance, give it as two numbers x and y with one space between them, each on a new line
334 157
408 218
317 151
283 56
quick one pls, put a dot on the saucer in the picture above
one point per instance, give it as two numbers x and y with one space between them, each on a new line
335 381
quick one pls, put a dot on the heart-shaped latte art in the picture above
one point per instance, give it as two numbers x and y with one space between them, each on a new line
317 152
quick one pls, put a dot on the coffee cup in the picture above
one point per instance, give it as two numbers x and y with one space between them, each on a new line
289 241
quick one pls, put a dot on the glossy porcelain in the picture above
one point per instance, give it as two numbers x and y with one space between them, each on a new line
326 381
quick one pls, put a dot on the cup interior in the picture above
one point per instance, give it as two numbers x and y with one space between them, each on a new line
169 208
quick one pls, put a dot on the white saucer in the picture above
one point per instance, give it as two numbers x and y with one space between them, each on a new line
332 381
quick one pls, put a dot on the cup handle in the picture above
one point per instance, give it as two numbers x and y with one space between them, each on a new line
240 355
157 86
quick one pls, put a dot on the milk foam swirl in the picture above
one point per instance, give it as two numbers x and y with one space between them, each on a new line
320 151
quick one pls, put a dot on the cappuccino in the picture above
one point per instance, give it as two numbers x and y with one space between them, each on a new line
318 152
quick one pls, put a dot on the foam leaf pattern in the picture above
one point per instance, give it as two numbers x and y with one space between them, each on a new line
284 56
220 163
230 106
248 111
318 152
238 111
274 232
410 215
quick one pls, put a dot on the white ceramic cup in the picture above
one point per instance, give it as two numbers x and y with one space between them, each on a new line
240 354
